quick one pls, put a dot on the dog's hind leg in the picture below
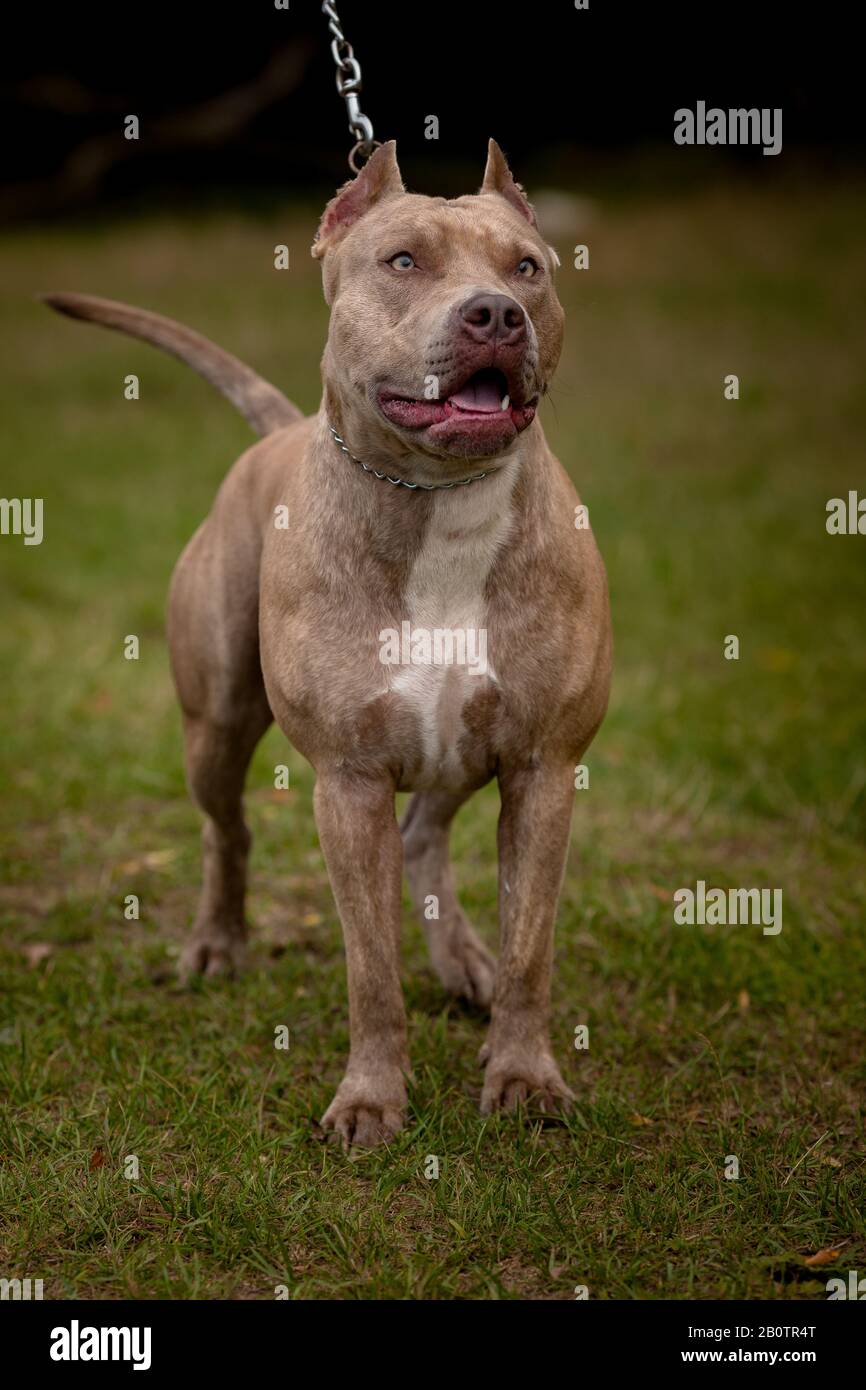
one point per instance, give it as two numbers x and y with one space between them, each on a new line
213 636
460 958
217 757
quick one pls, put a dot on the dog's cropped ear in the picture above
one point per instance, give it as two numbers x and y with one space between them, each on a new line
380 178
498 178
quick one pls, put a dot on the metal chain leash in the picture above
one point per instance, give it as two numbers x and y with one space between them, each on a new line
349 86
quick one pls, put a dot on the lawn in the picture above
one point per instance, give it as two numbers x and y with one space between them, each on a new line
704 1041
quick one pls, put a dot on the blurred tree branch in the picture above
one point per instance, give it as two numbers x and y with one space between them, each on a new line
212 123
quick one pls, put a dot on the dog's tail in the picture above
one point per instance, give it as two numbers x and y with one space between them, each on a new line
262 405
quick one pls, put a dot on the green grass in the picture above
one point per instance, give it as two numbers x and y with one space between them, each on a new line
704 1042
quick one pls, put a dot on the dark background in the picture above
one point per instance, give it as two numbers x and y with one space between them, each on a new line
710 515
239 98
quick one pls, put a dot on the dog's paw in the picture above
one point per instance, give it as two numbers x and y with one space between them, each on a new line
213 957
465 966
532 1080
367 1110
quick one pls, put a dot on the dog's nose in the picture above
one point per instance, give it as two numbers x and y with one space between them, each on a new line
493 318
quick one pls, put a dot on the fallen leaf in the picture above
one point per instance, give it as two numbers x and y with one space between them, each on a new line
743 1001
99 702
154 859
585 938
640 1119
97 1159
36 952
825 1257
311 919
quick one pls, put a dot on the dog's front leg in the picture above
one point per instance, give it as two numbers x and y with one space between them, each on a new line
533 841
363 851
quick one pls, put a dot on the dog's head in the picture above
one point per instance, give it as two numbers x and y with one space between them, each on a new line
445 325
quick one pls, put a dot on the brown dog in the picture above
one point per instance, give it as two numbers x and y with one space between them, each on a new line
400 581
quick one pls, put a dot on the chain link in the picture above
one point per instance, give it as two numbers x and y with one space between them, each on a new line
349 87
401 482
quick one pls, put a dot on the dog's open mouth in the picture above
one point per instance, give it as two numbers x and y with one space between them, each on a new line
481 407
485 393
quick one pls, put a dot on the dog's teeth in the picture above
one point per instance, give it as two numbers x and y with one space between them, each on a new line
506 401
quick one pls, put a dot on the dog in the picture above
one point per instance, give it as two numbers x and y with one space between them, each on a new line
350 561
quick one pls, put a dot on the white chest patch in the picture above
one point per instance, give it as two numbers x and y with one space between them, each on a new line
443 658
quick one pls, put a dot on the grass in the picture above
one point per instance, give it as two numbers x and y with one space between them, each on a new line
704 1042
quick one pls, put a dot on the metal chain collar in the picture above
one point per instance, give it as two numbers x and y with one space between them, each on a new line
349 85
401 482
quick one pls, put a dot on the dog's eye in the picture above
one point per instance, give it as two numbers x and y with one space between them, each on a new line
402 261
527 267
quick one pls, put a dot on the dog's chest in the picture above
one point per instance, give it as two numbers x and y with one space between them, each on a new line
444 667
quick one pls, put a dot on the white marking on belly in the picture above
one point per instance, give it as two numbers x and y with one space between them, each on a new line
445 590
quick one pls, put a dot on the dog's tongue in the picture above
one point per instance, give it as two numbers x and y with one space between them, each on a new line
482 392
